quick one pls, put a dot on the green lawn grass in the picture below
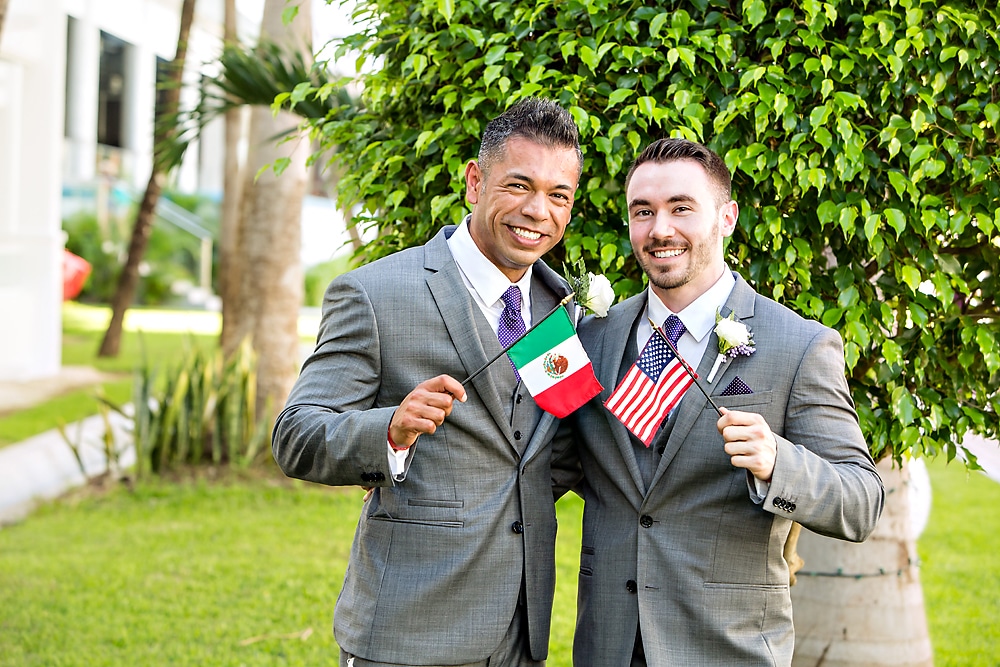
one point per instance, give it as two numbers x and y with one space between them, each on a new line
244 572
147 335
238 573
960 556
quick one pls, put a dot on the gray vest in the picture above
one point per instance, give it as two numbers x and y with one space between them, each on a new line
648 458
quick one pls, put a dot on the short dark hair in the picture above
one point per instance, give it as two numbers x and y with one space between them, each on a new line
535 119
669 150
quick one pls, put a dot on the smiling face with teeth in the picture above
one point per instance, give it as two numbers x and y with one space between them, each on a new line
522 203
676 225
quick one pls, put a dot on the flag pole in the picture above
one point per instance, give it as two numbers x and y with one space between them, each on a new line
690 371
502 352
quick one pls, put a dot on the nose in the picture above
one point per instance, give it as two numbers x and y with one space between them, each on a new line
535 205
662 227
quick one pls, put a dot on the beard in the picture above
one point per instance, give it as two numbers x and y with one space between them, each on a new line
700 256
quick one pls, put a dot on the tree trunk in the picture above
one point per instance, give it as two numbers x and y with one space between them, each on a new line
129 277
861 605
270 287
230 268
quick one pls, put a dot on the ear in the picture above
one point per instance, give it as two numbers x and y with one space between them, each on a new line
728 215
473 181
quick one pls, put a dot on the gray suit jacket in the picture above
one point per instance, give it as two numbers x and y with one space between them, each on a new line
437 561
693 558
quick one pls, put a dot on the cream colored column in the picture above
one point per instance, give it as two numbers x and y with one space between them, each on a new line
83 70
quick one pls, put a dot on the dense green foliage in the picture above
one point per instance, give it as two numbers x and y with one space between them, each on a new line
861 136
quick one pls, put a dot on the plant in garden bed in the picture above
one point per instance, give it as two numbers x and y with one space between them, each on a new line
199 411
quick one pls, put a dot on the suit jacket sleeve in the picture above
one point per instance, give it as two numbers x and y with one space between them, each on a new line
333 430
823 474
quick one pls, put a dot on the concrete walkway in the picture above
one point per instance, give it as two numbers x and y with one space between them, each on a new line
44 467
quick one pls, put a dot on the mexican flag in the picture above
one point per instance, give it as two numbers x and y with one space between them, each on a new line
553 365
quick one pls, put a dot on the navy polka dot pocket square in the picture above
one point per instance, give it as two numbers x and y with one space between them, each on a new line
736 388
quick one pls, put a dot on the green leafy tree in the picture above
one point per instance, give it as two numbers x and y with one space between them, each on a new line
862 141
862 137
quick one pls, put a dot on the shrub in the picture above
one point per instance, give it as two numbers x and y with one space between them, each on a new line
862 138
172 255
203 412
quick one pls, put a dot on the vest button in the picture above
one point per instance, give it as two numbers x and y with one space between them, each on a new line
645 521
517 435
517 527
631 586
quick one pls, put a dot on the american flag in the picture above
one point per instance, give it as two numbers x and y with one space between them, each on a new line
654 384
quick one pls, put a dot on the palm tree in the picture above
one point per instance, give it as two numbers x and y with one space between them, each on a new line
862 604
232 186
129 278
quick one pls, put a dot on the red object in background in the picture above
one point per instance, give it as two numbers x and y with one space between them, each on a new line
75 272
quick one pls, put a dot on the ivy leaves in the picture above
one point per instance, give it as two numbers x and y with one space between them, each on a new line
862 141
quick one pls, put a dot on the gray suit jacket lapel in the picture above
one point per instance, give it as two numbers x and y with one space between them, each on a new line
459 313
611 359
741 302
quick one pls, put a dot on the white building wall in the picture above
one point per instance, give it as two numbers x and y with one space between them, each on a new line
31 142
41 147
48 138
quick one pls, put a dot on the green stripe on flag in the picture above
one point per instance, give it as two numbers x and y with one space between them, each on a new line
550 332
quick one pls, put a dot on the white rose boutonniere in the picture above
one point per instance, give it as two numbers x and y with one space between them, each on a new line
593 292
735 340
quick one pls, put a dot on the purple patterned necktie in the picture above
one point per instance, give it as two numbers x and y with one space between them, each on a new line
674 328
511 325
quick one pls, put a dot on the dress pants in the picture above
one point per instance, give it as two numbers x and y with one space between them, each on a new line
513 650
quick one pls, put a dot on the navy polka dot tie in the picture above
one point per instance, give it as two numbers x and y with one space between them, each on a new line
674 328
511 325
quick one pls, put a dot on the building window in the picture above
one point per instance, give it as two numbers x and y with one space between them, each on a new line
111 92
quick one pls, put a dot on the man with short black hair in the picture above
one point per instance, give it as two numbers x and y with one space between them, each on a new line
453 559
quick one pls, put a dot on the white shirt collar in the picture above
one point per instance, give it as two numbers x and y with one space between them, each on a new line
486 279
699 317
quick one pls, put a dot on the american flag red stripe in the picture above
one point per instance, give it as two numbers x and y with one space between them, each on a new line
654 384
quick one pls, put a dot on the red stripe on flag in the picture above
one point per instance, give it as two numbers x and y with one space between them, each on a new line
570 393
641 405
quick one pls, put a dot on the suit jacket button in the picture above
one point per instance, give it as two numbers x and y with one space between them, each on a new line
791 507
645 521
517 435
631 586
379 476
517 527
779 503
366 477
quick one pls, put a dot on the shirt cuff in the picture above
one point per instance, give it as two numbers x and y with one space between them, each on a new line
758 489
397 461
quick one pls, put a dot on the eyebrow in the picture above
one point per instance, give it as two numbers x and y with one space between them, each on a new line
671 200
531 181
